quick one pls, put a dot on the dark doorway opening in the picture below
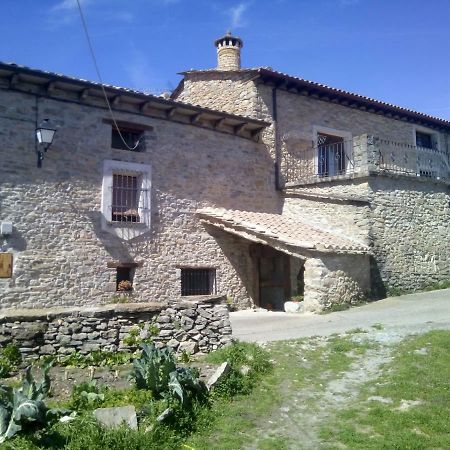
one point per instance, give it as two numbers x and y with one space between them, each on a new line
274 278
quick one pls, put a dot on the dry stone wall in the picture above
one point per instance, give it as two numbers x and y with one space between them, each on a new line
195 326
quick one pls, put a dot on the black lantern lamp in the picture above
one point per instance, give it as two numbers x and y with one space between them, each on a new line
44 138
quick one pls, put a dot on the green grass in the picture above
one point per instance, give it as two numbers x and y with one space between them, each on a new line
412 376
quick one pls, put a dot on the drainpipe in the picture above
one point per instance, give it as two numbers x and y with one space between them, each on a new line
276 139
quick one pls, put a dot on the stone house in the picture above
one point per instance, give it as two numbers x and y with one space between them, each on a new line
247 183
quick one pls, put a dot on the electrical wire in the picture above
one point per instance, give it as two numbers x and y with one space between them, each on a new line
94 59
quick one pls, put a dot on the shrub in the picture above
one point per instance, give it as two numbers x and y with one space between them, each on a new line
248 362
10 359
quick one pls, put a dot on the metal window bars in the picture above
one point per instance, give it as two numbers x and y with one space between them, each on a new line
198 282
306 163
130 202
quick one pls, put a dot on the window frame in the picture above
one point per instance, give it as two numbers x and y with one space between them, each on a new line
434 137
143 172
348 147
210 272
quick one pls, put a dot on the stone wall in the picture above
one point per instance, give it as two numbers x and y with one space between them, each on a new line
184 326
410 229
63 257
336 279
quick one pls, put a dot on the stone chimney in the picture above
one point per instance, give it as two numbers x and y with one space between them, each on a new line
228 52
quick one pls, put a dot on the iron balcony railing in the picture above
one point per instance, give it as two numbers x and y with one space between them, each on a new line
397 157
301 163
323 161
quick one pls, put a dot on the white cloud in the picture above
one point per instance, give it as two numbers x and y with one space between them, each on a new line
69 5
237 13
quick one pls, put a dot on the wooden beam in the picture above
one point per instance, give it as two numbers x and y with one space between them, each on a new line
50 87
14 79
116 101
219 123
239 128
170 112
196 118
84 94
143 106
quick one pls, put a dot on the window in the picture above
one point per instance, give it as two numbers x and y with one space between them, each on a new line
124 279
198 281
331 155
134 139
424 140
126 198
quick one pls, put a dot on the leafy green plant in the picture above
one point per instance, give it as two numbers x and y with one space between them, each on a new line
247 361
156 370
98 358
10 360
22 408
86 395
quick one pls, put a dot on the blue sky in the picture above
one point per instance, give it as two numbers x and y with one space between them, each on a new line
393 50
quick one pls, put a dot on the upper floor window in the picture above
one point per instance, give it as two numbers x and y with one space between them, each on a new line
126 198
127 139
334 150
126 191
426 140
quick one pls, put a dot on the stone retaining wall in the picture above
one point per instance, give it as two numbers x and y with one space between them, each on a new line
192 326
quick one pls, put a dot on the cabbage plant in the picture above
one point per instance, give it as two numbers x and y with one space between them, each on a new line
24 407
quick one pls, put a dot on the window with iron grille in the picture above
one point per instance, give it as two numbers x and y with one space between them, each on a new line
125 198
198 281
132 140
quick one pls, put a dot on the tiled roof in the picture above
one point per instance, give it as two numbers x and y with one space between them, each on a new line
267 73
279 228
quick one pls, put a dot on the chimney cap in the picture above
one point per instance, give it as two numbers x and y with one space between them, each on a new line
235 41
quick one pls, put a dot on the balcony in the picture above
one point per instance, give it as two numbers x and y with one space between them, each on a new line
303 163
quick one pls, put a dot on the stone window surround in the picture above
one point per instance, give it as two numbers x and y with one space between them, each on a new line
346 135
126 230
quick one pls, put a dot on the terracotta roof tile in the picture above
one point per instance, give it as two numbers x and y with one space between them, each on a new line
285 229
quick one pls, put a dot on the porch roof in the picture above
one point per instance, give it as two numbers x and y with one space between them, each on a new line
278 231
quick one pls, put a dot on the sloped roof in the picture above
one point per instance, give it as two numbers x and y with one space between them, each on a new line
12 75
324 92
279 229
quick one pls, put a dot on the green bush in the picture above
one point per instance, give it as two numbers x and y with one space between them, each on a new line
10 360
248 363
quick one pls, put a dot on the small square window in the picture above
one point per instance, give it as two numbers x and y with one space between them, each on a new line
124 279
198 282
127 139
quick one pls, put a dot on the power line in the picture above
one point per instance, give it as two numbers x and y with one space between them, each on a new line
94 59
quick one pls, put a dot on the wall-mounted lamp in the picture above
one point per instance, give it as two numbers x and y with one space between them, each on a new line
44 138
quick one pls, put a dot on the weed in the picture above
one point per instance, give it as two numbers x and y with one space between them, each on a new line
377 326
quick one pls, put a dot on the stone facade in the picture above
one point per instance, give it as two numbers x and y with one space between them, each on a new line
61 253
247 147
184 326
404 219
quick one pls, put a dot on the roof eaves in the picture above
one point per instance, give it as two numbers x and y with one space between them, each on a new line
307 84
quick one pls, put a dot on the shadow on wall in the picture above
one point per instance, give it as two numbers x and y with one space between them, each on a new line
117 248
378 288
236 251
